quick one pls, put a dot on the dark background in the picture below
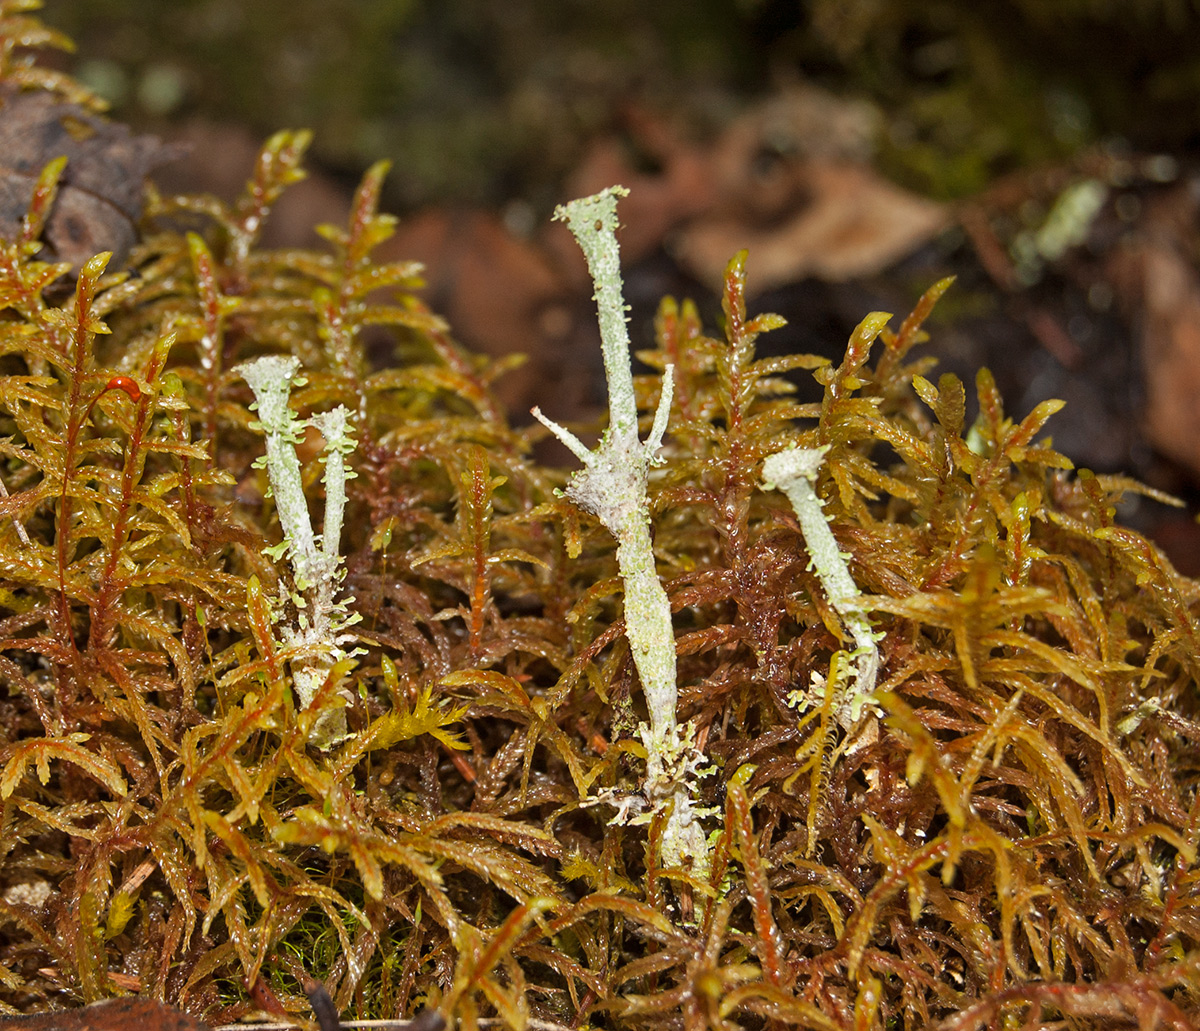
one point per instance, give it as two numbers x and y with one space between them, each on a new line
490 100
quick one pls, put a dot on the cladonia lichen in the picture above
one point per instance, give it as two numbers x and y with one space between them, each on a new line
794 472
612 485
318 634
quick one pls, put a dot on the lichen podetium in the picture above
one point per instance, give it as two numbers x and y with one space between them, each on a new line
612 486
794 471
317 570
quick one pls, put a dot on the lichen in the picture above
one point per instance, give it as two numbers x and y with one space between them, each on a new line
794 471
317 632
612 486
1013 841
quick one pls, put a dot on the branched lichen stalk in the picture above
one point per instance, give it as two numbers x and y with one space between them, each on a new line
612 485
794 472
316 563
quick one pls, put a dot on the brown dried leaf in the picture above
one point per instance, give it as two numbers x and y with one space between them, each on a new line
100 193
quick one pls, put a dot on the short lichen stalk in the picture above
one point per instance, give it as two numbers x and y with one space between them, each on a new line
612 485
794 472
321 619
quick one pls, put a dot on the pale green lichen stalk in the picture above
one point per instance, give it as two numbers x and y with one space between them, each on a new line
612 486
321 619
794 472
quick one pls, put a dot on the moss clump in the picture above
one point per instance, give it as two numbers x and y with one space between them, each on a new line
1008 832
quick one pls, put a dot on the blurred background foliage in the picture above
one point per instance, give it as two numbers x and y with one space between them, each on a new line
488 100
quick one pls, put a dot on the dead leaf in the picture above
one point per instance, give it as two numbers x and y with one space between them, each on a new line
853 223
1170 353
100 193
790 179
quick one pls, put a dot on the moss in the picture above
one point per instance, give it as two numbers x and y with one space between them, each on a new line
1011 837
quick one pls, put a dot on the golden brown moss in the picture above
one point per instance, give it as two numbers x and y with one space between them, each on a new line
1015 836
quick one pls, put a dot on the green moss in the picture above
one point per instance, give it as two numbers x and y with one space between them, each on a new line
1013 838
